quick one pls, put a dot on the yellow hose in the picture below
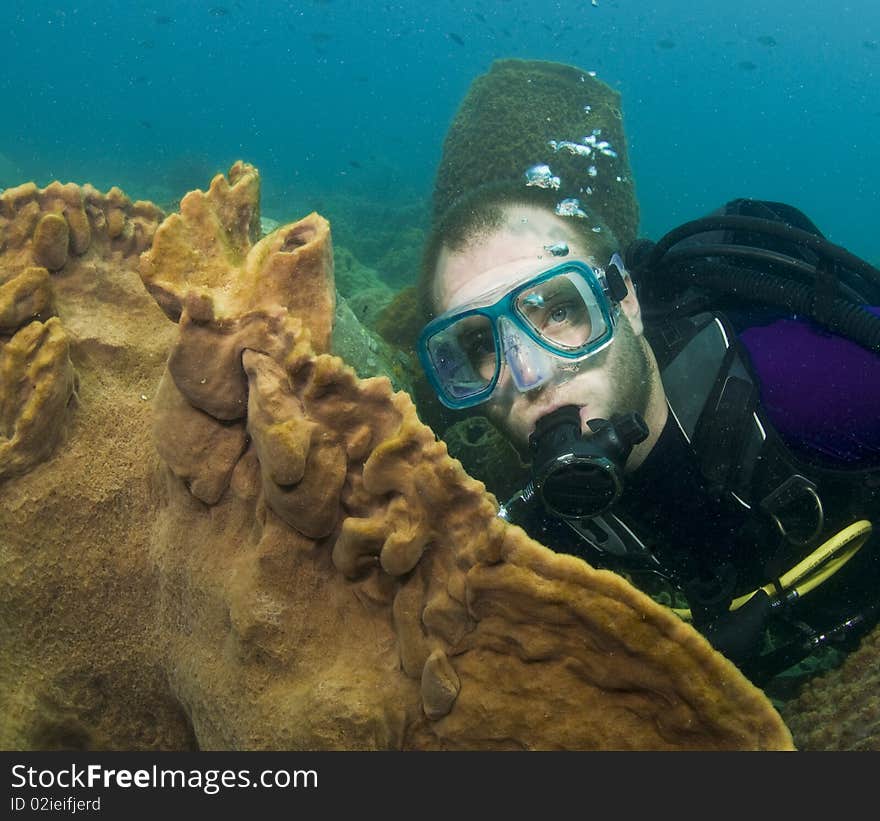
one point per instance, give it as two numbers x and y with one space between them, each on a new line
816 568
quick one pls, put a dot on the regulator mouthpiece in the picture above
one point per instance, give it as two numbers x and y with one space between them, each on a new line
579 476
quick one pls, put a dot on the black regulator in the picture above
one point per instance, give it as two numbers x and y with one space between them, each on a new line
577 476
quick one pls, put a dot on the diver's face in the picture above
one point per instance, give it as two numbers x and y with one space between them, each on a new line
618 379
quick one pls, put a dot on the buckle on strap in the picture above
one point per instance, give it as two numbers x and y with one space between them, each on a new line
789 501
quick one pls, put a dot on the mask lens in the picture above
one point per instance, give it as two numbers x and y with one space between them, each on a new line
563 311
464 357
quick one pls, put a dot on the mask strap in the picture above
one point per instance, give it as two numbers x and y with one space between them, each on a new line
615 279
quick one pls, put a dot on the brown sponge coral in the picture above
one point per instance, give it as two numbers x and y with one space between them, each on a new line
308 569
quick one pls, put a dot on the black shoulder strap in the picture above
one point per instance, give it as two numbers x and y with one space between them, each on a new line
713 395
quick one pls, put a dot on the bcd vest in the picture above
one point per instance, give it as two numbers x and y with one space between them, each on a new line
734 506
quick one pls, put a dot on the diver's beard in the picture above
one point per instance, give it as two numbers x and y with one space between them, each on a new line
630 372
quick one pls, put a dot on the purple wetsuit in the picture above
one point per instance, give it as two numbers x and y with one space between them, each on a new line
820 391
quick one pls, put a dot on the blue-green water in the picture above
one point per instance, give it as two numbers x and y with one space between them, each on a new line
347 101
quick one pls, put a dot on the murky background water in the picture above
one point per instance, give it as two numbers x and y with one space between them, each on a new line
343 104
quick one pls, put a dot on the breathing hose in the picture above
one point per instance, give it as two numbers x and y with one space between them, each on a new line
811 571
774 228
840 315
833 292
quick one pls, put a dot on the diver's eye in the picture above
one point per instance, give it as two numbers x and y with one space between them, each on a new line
479 345
559 314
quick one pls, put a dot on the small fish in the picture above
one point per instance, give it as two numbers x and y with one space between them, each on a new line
218 11
592 171
480 17
558 249
146 124
354 164
666 43
163 19
871 45
766 40
542 177
321 37
454 37
747 65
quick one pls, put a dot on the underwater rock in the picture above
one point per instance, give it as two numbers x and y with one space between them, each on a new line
487 455
401 263
529 109
401 321
382 231
368 305
361 286
339 583
268 225
840 710
368 353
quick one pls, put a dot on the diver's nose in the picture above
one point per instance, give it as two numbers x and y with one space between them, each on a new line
529 365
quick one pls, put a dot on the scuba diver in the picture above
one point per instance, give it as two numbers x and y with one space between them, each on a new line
701 413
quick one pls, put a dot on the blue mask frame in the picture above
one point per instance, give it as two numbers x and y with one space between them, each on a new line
505 306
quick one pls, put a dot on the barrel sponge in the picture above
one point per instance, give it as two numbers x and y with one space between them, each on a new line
505 125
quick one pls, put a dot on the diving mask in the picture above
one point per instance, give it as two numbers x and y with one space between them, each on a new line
558 316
